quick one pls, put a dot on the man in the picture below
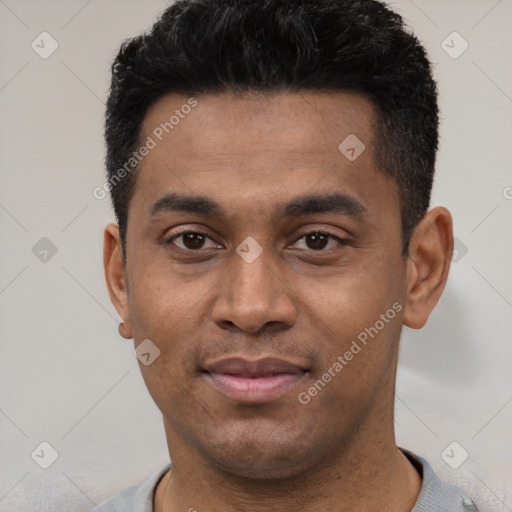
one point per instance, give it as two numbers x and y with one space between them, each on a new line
270 165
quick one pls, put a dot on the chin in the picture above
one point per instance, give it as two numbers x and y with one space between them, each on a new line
270 469
264 460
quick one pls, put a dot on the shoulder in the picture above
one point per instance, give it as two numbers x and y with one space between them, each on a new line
435 494
138 498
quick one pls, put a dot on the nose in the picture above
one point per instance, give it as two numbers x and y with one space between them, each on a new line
253 295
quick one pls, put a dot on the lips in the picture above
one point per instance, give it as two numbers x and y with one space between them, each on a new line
255 381
241 367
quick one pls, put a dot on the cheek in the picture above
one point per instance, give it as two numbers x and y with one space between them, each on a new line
163 312
159 300
361 313
166 318
358 354
357 295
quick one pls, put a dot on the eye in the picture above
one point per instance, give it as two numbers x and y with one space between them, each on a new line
196 240
319 240
191 240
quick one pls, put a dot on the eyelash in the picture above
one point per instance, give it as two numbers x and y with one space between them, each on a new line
326 232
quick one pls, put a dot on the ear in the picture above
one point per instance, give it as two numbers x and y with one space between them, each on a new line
115 276
430 254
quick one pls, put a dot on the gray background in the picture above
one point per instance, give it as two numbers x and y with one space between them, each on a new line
67 378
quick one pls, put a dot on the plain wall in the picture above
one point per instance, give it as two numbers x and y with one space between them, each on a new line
66 376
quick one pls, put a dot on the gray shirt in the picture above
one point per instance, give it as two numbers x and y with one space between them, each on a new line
435 495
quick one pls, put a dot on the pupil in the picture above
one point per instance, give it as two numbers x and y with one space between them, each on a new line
317 238
193 240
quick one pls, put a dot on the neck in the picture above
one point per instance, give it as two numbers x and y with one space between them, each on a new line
369 475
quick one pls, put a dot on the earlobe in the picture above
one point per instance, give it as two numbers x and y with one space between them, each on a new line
430 253
115 276
125 330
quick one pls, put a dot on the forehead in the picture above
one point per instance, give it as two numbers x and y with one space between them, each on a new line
259 148
257 122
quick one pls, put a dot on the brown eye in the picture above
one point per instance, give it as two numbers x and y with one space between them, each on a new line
317 241
191 240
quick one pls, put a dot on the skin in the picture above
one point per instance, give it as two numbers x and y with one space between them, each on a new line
251 153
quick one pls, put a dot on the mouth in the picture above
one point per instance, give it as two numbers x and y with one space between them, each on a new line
253 382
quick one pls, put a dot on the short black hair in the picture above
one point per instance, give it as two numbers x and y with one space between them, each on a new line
214 46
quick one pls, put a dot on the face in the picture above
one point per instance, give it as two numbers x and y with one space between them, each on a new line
258 256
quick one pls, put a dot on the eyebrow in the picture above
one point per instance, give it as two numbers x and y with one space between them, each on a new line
302 205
